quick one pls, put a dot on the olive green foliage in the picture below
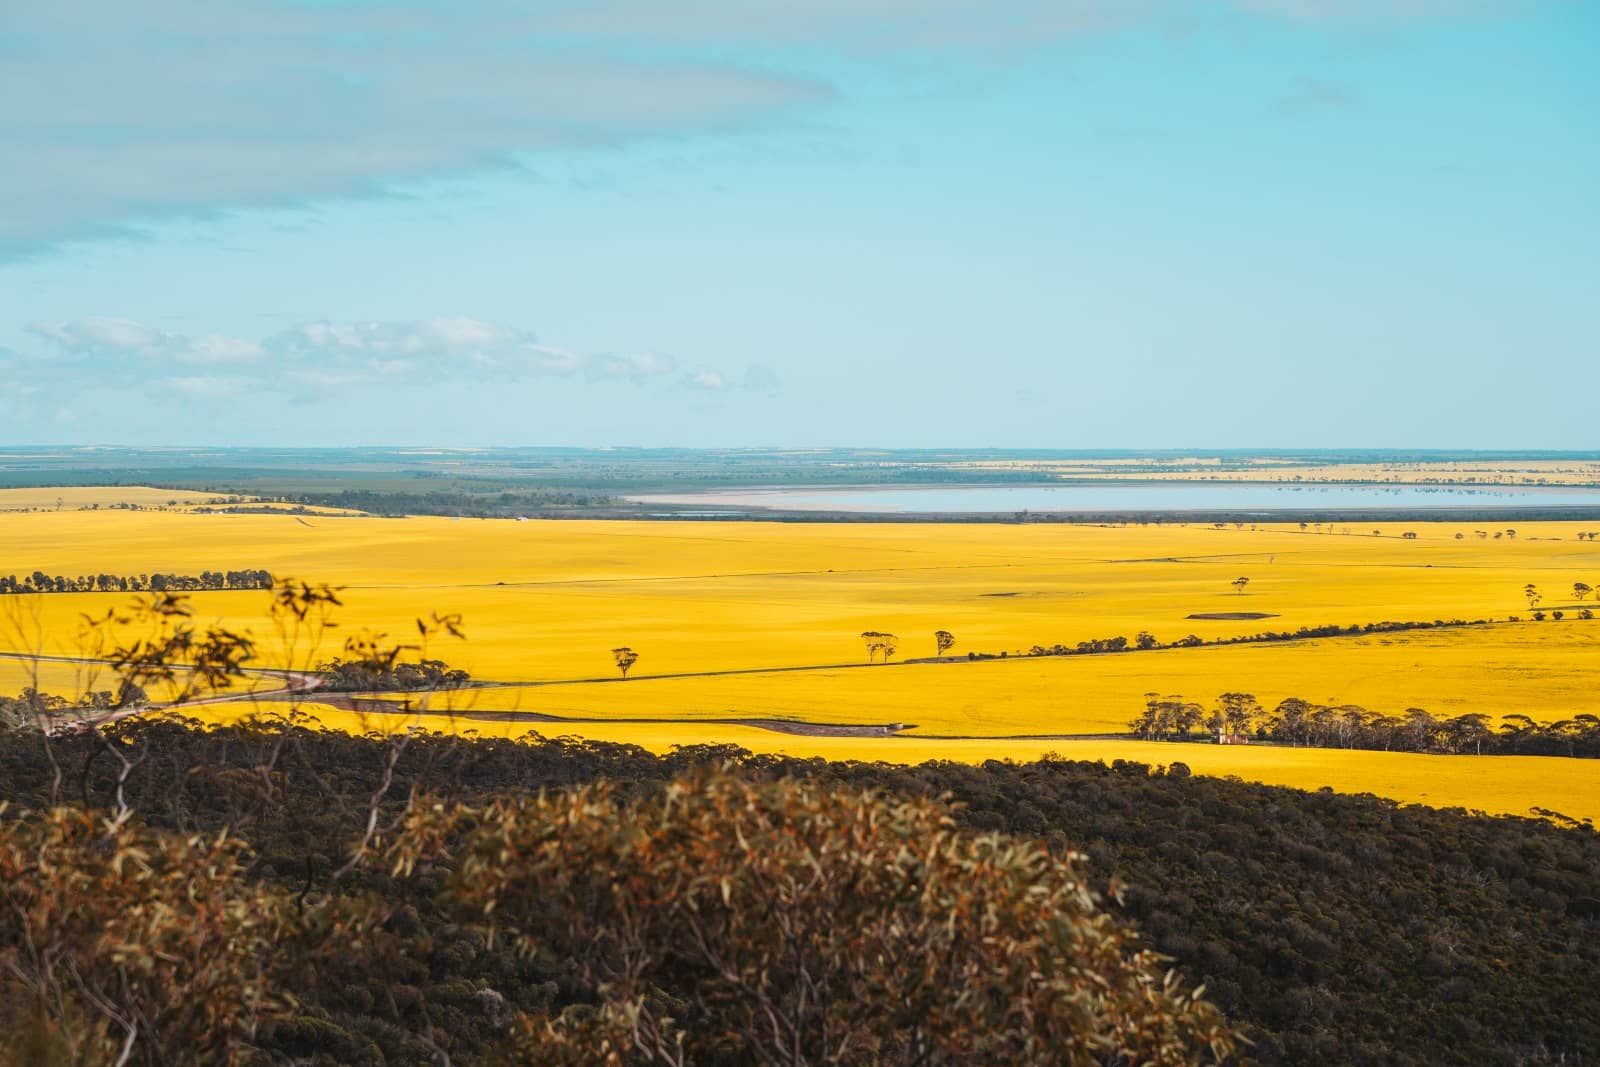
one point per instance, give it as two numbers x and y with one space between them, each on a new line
375 676
725 920
120 944
31 708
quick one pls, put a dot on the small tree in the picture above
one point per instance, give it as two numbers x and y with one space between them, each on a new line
1581 589
1145 640
943 640
625 657
1531 591
1239 584
1236 713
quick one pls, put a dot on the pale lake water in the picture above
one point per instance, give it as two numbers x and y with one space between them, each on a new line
1135 497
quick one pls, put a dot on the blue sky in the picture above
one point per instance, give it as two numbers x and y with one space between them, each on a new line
984 223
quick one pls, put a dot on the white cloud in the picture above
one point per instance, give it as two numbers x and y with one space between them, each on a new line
708 379
215 349
637 368
96 333
205 388
127 337
319 357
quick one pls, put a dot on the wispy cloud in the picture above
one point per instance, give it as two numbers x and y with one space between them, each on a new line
103 335
116 114
313 358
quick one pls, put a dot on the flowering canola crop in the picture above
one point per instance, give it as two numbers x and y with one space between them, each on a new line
544 602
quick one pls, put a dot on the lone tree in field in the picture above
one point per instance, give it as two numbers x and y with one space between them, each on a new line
1531 591
1239 584
1581 589
625 657
943 640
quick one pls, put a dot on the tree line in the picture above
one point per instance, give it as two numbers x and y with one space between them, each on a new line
40 582
1239 717
32 707
1146 641
485 504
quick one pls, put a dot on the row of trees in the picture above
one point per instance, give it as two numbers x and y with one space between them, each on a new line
1236 717
1145 641
883 646
31 707
40 582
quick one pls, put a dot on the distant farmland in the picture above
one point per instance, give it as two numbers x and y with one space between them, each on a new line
740 627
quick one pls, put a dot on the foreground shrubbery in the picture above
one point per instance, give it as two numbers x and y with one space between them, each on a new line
721 920
118 942
715 921
1337 929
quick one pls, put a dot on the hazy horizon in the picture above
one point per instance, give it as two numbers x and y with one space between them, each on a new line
1267 225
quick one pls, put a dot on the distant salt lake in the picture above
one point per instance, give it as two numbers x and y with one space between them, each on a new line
1136 496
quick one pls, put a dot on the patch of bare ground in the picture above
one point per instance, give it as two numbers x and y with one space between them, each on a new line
417 706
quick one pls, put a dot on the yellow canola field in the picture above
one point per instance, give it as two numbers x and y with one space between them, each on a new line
547 601
74 680
1545 670
720 596
63 679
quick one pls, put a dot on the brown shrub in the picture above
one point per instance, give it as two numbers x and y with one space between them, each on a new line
731 921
